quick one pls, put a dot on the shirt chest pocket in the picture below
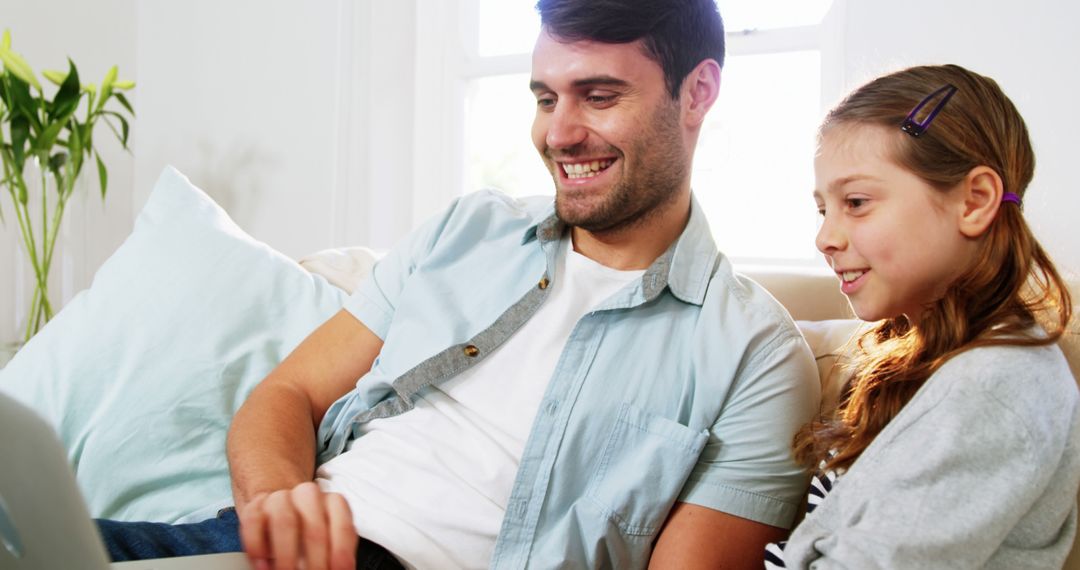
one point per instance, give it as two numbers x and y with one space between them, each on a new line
642 468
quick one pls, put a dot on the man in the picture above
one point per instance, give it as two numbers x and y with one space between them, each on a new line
582 384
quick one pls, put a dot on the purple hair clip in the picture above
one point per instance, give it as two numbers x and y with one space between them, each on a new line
1011 197
917 128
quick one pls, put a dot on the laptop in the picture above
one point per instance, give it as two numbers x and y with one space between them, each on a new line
44 523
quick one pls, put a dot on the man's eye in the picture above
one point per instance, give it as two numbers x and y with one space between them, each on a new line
545 102
600 99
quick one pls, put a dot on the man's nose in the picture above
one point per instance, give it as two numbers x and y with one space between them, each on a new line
566 128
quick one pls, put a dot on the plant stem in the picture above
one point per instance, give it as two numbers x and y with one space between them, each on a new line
22 213
40 306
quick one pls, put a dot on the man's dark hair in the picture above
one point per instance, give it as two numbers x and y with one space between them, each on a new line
677 34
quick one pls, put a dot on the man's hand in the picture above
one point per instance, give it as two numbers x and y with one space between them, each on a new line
302 527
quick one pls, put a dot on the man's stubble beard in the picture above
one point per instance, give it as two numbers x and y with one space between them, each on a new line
660 170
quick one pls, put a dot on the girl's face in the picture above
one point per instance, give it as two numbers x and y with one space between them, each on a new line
893 240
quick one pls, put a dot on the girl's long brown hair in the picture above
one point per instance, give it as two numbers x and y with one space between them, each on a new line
1010 286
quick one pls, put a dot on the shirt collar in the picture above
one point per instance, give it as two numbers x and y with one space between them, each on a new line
545 226
685 268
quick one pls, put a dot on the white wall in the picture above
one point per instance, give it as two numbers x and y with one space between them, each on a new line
283 112
307 119
241 96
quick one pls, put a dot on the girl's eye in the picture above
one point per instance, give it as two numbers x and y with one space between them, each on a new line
855 203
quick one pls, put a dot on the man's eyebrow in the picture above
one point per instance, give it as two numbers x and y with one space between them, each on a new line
593 81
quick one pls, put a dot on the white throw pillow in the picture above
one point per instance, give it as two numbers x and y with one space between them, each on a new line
345 267
141 374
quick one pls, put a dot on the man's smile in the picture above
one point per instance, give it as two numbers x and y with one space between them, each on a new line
585 169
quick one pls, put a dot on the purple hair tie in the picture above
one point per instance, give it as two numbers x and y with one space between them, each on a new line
1010 197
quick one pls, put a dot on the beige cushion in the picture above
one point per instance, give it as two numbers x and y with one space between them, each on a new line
828 342
807 294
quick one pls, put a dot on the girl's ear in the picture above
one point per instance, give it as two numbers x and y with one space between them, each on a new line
982 190
699 92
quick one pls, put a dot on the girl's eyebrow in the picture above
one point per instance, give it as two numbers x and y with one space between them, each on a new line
841 182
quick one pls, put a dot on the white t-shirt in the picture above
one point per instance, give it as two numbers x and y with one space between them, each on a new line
431 485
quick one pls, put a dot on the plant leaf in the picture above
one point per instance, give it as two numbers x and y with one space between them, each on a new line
22 99
67 97
107 86
23 195
20 132
4 92
123 126
56 77
18 67
124 101
87 134
124 85
47 139
110 76
75 145
23 102
56 162
103 175
5 43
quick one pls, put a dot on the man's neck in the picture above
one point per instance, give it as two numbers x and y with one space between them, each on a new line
635 246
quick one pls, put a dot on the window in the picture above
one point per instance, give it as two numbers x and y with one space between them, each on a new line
753 167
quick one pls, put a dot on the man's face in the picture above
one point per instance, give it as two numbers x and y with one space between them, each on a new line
608 131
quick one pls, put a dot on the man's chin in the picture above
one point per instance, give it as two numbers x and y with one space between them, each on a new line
593 220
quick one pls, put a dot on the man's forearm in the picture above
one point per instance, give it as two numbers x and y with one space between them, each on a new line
271 443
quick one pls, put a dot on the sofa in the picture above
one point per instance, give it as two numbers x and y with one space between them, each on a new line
141 373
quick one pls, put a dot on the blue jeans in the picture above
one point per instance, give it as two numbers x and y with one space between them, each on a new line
146 540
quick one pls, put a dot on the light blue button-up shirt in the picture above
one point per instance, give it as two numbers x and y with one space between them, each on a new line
686 385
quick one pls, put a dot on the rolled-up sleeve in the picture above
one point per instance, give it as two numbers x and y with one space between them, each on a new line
747 468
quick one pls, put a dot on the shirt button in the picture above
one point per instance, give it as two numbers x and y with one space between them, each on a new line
543 283
471 351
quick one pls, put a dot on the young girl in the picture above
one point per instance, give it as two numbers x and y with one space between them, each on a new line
955 443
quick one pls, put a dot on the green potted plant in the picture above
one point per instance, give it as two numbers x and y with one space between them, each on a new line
54 136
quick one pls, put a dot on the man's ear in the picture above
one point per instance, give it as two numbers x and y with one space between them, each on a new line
982 190
699 92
